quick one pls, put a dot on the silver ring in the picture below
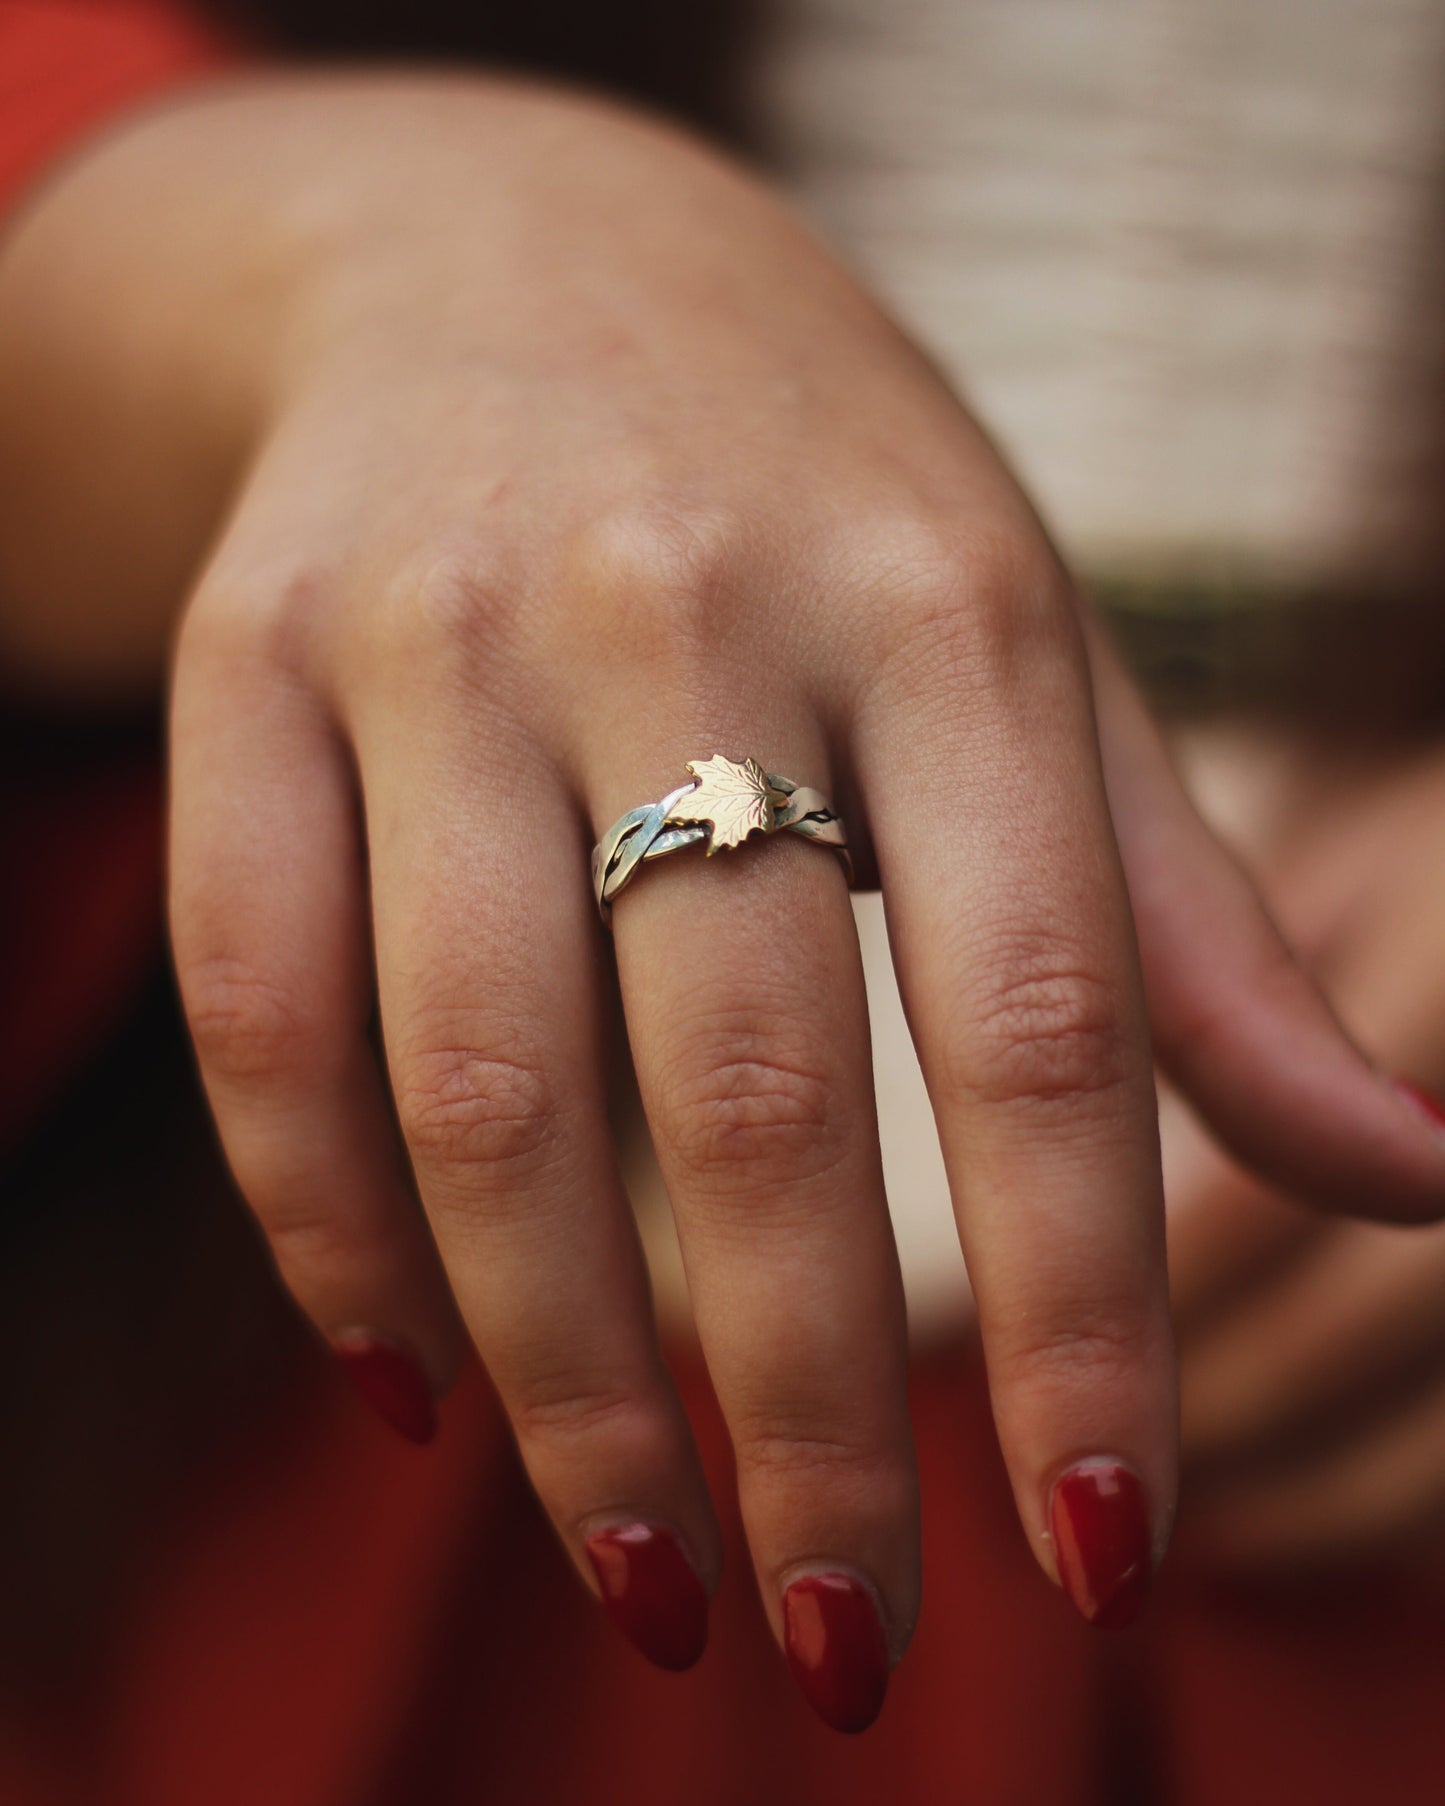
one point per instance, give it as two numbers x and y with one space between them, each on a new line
723 804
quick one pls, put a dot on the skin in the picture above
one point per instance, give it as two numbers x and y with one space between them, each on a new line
506 451
1312 1353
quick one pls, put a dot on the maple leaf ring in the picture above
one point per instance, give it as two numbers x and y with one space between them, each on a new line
724 803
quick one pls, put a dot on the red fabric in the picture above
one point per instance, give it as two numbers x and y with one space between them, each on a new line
335 1617
79 905
331 1618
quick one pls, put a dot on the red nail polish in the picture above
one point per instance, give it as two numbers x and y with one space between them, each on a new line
835 1649
392 1383
1433 1106
651 1592
1100 1522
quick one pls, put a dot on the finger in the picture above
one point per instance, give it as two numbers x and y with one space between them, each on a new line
1376 1495
1346 1325
1229 1234
1339 1332
743 988
492 1008
1011 933
268 917
1237 1023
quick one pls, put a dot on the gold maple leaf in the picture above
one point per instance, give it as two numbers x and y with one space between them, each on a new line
734 800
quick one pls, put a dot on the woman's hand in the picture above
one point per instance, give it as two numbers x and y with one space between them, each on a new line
1313 1352
555 454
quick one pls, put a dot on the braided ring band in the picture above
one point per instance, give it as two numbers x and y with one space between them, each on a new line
723 804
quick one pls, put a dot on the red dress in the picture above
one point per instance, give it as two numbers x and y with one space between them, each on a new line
330 1618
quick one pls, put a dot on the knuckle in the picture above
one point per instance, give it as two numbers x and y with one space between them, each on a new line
971 605
922 559
471 1107
870 1479
565 1407
665 558
268 613
303 1217
1089 1347
1037 1026
568 1405
246 1025
747 1104
450 609
302 1239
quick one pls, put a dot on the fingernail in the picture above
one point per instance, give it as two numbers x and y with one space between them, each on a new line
1100 1521
1423 1100
835 1649
651 1592
391 1382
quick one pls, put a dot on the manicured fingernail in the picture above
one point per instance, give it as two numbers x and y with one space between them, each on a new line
651 1592
391 1382
835 1649
1423 1100
1100 1521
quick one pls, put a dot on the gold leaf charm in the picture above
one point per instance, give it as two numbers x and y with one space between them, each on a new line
734 800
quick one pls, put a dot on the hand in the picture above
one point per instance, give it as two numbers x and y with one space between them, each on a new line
562 455
1313 1352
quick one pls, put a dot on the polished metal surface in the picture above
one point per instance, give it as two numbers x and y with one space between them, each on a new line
724 803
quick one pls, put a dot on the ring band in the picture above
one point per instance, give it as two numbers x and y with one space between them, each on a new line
723 804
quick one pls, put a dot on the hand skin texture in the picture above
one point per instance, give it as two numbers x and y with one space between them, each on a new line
1312 1349
486 453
